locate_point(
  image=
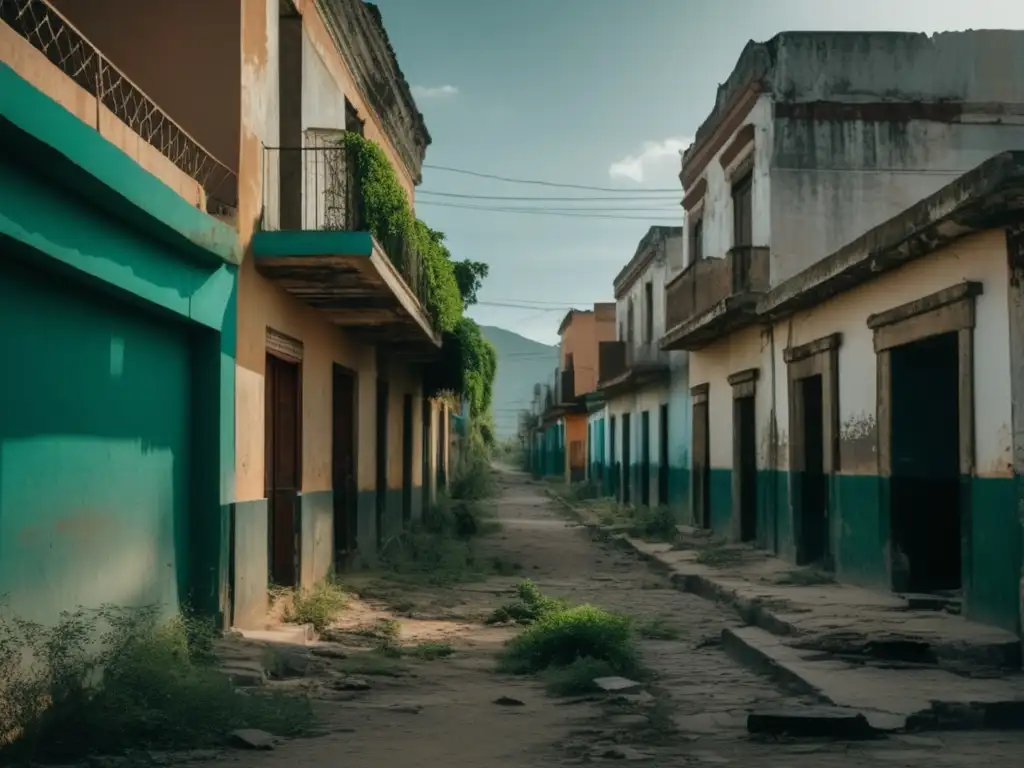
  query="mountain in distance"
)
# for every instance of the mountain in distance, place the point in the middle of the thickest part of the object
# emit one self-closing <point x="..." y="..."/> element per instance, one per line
<point x="522" y="362"/>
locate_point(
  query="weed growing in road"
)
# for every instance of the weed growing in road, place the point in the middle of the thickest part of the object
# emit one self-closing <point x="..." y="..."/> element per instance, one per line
<point x="430" y="651"/>
<point x="530" y="605"/>
<point x="319" y="606"/>
<point x="109" y="680"/>
<point x="581" y="636"/>
<point x="659" y="628"/>
<point x="577" y="678"/>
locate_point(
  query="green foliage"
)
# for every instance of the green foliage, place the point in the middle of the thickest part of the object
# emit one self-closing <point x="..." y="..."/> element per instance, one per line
<point x="529" y="606"/>
<point x="559" y="638"/>
<point x="577" y="678"/>
<point x="319" y="606"/>
<point x="116" y="679"/>
<point x="480" y="365"/>
<point x="470" y="277"/>
<point x="388" y="215"/>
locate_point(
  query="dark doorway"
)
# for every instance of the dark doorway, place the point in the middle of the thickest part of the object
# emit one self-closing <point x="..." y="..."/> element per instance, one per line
<point x="701" y="466"/>
<point x="343" y="467"/>
<point x="407" y="459"/>
<point x="813" y="499"/>
<point x="283" y="473"/>
<point x="663" y="455"/>
<point x="426" y="452"/>
<point x="382" y="458"/>
<point x="746" y="465"/>
<point x="627" y="460"/>
<point x="925" y="501"/>
<point x="645" y="458"/>
<point x="442" y="444"/>
<point x="614" y="473"/>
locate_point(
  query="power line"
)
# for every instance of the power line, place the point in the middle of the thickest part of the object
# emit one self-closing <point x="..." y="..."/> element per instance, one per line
<point x="538" y="182"/>
<point x="541" y="212"/>
<point x="586" y="198"/>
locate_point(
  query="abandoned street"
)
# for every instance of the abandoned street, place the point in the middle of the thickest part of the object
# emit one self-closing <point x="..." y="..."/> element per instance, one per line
<point x="459" y="712"/>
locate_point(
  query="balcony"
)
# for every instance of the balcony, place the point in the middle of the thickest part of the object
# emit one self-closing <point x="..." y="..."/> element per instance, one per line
<point x="315" y="244"/>
<point x="623" y="366"/>
<point x="43" y="47"/>
<point x="712" y="297"/>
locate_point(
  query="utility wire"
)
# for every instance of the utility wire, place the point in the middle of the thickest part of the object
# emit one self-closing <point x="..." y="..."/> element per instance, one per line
<point x="542" y="183"/>
<point x="585" y="198"/>
<point x="542" y="212"/>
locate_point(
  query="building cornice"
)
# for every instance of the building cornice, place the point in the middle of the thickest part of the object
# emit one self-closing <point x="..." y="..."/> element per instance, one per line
<point x="359" y="35"/>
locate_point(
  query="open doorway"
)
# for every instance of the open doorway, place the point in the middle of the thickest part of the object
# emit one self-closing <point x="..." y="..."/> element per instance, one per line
<point x="663" y="455"/>
<point x="407" y="459"/>
<point x="925" y="508"/>
<point x="746" y="465"/>
<point x="627" y="459"/>
<point x="343" y="466"/>
<point x="614" y="473"/>
<point x="283" y="473"/>
<point x="645" y="458"/>
<point x="701" y="462"/>
<point x="382" y="459"/>
<point x="812" y="489"/>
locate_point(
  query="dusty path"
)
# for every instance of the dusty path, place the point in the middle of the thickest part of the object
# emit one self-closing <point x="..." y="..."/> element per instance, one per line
<point x="443" y="713"/>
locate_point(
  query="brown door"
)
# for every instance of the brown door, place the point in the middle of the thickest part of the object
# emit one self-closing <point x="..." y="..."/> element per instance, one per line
<point x="407" y="459"/>
<point x="382" y="459"/>
<point x="426" y="453"/>
<point x="283" y="471"/>
<point x="343" y="467"/>
<point x="701" y="466"/>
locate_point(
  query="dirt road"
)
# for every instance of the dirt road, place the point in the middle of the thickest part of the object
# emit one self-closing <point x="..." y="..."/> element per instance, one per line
<point x="444" y="712"/>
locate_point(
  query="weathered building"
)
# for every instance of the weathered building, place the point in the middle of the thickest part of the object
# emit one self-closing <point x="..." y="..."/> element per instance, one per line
<point x="634" y="373"/>
<point x="256" y="380"/>
<point x="835" y="160"/>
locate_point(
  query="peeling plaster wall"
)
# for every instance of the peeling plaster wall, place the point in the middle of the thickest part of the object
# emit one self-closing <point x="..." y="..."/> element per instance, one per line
<point x="656" y="273"/>
<point x="716" y="210"/>
<point x="649" y="399"/>
<point x="859" y="522"/>
<point x="833" y="180"/>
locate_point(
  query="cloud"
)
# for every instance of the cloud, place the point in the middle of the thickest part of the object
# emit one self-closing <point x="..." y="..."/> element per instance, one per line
<point x="435" y="92"/>
<point x="655" y="154"/>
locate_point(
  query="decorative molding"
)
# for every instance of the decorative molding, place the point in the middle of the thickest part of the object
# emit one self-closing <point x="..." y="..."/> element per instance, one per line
<point x="695" y="194"/>
<point x="802" y="352"/>
<point x="361" y="39"/>
<point x="958" y="292"/>
<point x="283" y="346"/>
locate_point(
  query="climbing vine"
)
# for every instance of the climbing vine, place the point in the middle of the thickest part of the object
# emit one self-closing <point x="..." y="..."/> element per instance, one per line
<point x="387" y="215"/>
<point x="468" y="362"/>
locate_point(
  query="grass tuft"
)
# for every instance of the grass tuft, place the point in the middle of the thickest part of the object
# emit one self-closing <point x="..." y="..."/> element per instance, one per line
<point x="319" y="606"/>
<point x="530" y="605"/>
<point x="659" y="628"/>
<point x="577" y="678"/>
<point x="116" y="679"/>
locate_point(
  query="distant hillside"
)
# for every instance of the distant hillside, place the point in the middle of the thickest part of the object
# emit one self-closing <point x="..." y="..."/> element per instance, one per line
<point x="522" y="362"/>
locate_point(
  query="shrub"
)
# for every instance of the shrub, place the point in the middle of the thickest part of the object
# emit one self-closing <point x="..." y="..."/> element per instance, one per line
<point x="319" y="606"/>
<point x="473" y="479"/>
<point x="561" y="637"/>
<point x="110" y="680"/>
<point x="577" y="678"/>
<point x="530" y="605"/>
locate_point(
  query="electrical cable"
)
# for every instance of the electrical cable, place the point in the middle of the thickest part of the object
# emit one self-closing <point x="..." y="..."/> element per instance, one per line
<point x="539" y="182"/>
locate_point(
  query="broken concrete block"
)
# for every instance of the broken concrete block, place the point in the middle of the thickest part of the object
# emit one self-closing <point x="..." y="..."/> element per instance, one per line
<point x="814" y="722"/>
<point x="617" y="684"/>
<point x="252" y="738"/>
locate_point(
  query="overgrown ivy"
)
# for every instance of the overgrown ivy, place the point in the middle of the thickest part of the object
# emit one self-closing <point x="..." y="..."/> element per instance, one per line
<point x="387" y="215"/>
<point x="468" y="363"/>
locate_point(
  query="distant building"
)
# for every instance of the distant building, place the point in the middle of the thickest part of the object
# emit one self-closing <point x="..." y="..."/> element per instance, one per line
<point x="846" y="203"/>
<point x="634" y="374"/>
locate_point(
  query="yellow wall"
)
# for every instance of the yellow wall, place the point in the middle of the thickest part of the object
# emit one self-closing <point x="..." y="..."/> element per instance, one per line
<point x="34" y="67"/>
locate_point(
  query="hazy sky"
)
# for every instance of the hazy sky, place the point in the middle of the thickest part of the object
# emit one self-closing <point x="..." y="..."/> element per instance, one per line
<point x="591" y="92"/>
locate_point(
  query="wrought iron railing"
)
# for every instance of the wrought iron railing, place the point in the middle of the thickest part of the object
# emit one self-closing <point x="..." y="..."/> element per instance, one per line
<point x="69" y="50"/>
<point x="316" y="187"/>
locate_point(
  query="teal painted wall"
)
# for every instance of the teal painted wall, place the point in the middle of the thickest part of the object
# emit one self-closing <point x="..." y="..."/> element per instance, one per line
<point x="679" y="436"/>
<point x="94" y="450"/>
<point x="129" y="293"/>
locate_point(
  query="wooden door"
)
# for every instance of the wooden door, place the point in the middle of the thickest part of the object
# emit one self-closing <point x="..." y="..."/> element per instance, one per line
<point x="701" y="464"/>
<point x="343" y="466"/>
<point x="407" y="459"/>
<point x="283" y="472"/>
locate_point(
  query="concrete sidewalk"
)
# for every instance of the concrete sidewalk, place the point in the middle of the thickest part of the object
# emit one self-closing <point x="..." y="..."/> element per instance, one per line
<point x="851" y="647"/>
